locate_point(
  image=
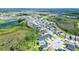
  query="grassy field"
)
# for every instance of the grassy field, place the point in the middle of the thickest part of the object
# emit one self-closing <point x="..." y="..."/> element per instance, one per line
<point x="2" y="22"/>
<point x="18" y="38"/>
<point x="6" y="21"/>
<point x="68" y="25"/>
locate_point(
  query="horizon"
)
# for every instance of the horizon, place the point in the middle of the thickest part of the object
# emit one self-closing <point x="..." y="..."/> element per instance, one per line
<point x="16" y="9"/>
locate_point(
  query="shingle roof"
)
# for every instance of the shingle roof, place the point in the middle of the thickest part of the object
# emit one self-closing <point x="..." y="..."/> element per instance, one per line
<point x="43" y="46"/>
<point x="42" y="42"/>
<point x="44" y="37"/>
<point x="77" y="38"/>
<point x="70" y="47"/>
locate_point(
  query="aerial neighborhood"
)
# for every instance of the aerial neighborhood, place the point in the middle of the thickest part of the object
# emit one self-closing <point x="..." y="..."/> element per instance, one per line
<point x="54" y="36"/>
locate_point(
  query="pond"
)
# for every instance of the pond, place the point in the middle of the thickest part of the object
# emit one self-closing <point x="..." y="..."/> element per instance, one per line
<point x="8" y="24"/>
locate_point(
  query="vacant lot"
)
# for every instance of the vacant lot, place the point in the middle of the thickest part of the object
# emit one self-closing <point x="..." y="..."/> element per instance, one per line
<point x="18" y="38"/>
<point x="68" y="25"/>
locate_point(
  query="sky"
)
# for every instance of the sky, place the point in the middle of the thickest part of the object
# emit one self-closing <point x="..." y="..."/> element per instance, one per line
<point x="39" y="3"/>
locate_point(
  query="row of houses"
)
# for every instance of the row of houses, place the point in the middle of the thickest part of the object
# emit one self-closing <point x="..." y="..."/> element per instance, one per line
<point x="40" y="26"/>
<point x="42" y="39"/>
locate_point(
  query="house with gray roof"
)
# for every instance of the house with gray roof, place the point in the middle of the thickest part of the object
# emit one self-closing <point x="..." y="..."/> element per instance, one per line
<point x="70" y="47"/>
<point x="77" y="38"/>
<point x="45" y="37"/>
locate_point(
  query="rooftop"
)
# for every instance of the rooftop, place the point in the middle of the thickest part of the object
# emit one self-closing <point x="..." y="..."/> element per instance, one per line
<point x="45" y="37"/>
<point x="71" y="47"/>
<point x="43" y="46"/>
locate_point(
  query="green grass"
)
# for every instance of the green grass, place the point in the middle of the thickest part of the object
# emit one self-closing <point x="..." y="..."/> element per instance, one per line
<point x="76" y="49"/>
<point x="78" y="25"/>
<point x="2" y="22"/>
<point x="6" y="21"/>
<point x="66" y="24"/>
<point x="18" y="38"/>
<point x="61" y="36"/>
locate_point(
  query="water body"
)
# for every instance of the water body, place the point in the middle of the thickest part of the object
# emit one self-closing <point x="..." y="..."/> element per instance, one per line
<point x="8" y="24"/>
